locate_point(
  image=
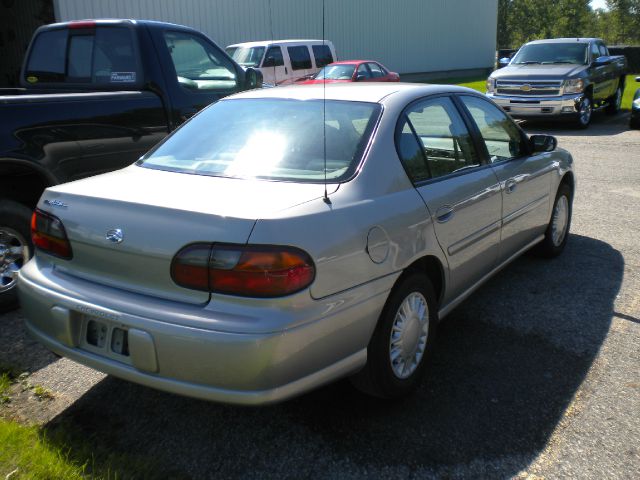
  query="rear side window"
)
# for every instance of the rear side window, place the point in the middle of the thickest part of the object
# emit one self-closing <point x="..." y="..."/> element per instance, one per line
<point x="103" y="56"/>
<point x="376" y="71"/>
<point x="323" y="56"/>
<point x="300" y="58"/>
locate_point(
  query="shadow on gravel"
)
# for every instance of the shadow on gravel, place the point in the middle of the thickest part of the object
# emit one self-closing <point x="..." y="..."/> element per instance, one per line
<point x="18" y="351"/>
<point x="601" y="125"/>
<point x="507" y="364"/>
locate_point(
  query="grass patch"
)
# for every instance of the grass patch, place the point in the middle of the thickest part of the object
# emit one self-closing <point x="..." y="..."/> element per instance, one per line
<point x="63" y="451"/>
<point x="478" y="83"/>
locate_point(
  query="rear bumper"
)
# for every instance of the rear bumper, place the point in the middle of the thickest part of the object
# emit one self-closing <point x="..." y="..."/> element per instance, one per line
<point x="196" y="361"/>
<point x="538" y="107"/>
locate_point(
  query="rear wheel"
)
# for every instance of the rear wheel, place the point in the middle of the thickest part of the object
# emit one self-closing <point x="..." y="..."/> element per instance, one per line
<point x="615" y="101"/>
<point x="15" y="249"/>
<point x="557" y="233"/>
<point x="401" y="344"/>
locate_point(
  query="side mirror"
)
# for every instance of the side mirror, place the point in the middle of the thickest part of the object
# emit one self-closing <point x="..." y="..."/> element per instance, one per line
<point x="360" y="78"/>
<point x="252" y="78"/>
<point x="503" y="62"/>
<point x="543" y="143"/>
<point x="600" y="61"/>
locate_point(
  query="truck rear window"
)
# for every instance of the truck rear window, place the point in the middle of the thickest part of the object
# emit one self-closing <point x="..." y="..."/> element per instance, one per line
<point x="103" y="56"/>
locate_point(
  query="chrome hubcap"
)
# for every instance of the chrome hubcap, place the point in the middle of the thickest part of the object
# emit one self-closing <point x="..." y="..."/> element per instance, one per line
<point x="14" y="251"/>
<point x="560" y="220"/>
<point x="409" y="335"/>
<point x="585" y="111"/>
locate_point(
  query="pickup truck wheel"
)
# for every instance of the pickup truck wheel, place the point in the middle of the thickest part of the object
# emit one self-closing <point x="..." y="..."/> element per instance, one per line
<point x="634" y="123"/>
<point x="615" y="101"/>
<point x="585" y="110"/>
<point x="557" y="233"/>
<point x="15" y="249"/>
<point x="402" y="342"/>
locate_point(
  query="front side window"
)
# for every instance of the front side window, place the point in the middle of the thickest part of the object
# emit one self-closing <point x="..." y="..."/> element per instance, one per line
<point x="274" y="139"/>
<point x="248" y="56"/>
<point x="595" y="51"/>
<point x="363" y="72"/>
<point x="444" y="138"/>
<point x="300" y="58"/>
<point x="199" y="65"/>
<point x="105" y="56"/>
<point x="501" y="136"/>
<point x="273" y="58"/>
<point x="603" y="50"/>
<point x="322" y="54"/>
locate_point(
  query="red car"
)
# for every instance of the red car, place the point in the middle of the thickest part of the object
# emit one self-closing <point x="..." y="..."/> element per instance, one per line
<point x="353" y="71"/>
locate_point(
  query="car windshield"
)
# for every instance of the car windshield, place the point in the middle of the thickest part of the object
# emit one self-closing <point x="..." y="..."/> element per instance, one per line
<point x="247" y="56"/>
<point x="275" y="139"/>
<point x="549" y="53"/>
<point x="336" y="72"/>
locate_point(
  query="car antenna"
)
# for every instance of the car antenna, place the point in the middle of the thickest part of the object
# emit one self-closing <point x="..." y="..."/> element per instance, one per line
<point x="275" y="78"/>
<point x="324" y="122"/>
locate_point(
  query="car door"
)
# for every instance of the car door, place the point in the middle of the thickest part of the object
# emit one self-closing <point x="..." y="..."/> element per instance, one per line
<point x="461" y="192"/>
<point x="599" y="75"/>
<point x="377" y="75"/>
<point x="362" y="73"/>
<point x="203" y="72"/>
<point x="273" y="68"/>
<point x="525" y="180"/>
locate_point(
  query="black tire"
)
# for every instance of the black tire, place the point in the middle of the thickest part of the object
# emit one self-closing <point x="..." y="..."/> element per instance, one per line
<point x="14" y="223"/>
<point x="615" y="101"/>
<point x="549" y="247"/>
<point x="634" y="123"/>
<point x="584" y="119"/>
<point x="377" y="378"/>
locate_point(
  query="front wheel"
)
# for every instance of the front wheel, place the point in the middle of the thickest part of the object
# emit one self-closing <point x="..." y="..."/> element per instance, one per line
<point x="585" y="110"/>
<point x="402" y="341"/>
<point x="15" y="249"/>
<point x="557" y="233"/>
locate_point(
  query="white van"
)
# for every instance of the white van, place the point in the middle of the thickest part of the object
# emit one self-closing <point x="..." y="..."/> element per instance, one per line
<point x="284" y="61"/>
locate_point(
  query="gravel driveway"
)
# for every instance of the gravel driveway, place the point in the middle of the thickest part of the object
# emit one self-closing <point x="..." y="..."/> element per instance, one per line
<point x="536" y="375"/>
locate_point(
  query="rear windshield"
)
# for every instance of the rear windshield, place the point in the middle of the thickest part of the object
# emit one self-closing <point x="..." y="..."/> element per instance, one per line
<point x="275" y="139"/>
<point x="102" y="56"/>
<point x="550" y="53"/>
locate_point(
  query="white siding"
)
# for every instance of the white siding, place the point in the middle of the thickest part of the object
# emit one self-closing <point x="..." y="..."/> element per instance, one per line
<point x="408" y="36"/>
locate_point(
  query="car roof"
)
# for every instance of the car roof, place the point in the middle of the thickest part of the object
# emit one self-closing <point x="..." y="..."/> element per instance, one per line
<point x="352" y="62"/>
<point x="566" y="40"/>
<point x="358" y="92"/>
<point x="264" y="43"/>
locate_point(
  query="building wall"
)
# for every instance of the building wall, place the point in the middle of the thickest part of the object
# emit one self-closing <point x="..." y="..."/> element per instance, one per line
<point x="408" y="36"/>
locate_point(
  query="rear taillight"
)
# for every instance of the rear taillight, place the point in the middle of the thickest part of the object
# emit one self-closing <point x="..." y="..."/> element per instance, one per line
<point x="244" y="270"/>
<point x="48" y="234"/>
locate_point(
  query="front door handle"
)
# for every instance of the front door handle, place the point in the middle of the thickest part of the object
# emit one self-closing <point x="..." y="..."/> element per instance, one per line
<point x="444" y="213"/>
<point x="510" y="185"/>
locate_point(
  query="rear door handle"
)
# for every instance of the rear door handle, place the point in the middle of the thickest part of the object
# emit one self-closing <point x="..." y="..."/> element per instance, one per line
<point x="444" y="213"/>
<point x="510" y="185"/>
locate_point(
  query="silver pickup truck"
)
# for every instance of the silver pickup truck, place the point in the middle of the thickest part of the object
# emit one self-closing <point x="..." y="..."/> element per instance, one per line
<point x="560" y="78"/>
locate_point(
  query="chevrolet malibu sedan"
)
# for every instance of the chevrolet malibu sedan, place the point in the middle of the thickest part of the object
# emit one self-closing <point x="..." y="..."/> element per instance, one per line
<point x="353" y="71"/>
<point x="285" y="238"/>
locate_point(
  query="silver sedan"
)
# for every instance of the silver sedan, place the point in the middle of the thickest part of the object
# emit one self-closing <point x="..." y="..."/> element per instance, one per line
<point x="285" y="238"/>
